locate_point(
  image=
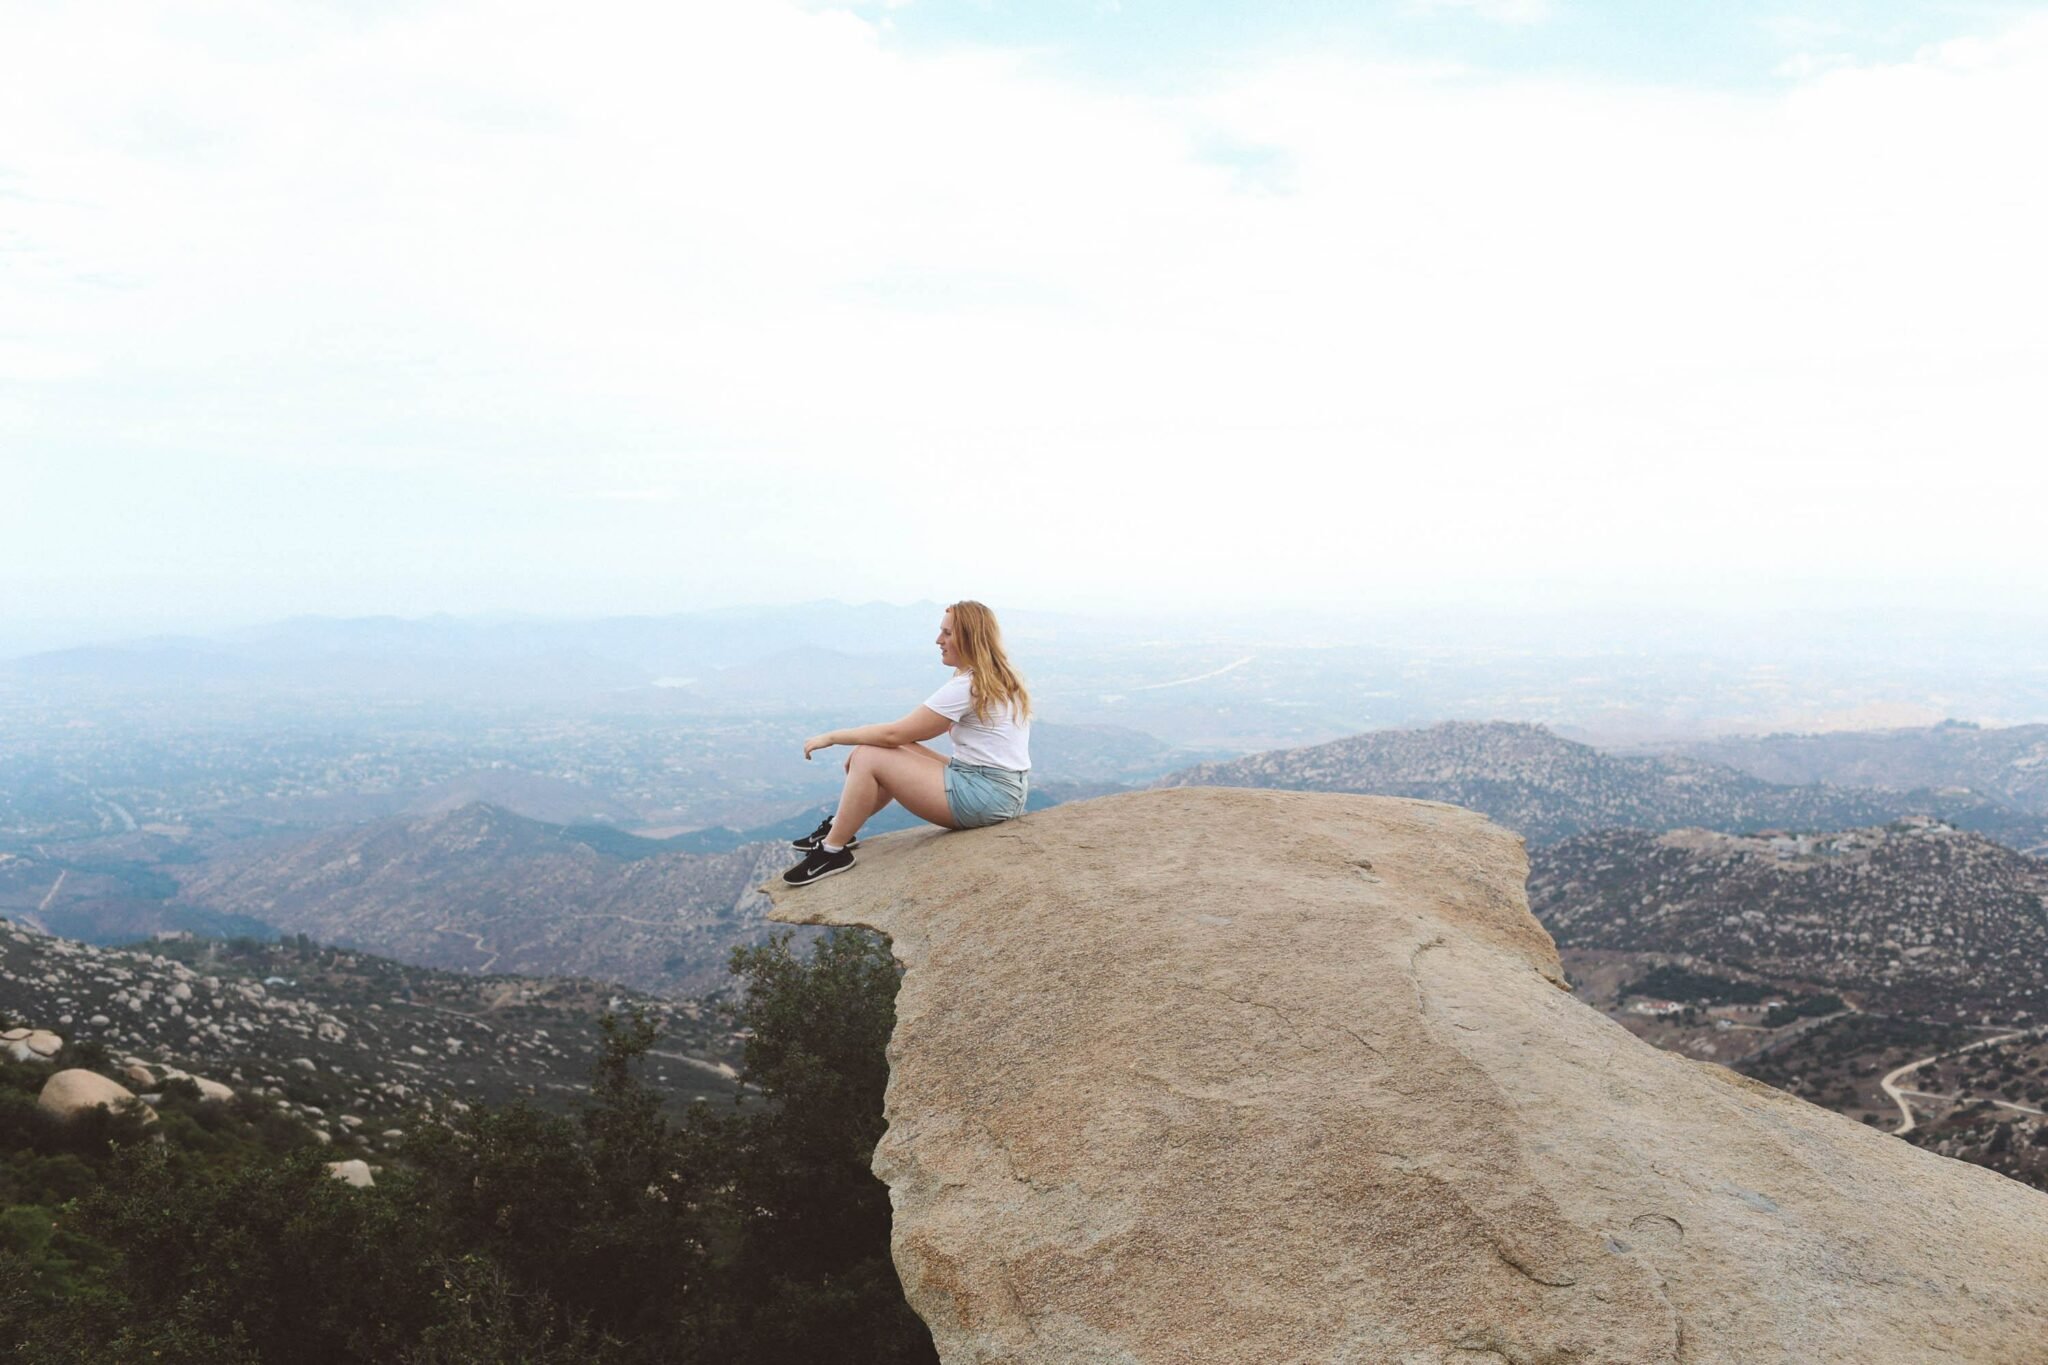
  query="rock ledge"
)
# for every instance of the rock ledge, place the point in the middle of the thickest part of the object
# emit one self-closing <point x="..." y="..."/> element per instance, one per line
<point x="1211" y="1075"/>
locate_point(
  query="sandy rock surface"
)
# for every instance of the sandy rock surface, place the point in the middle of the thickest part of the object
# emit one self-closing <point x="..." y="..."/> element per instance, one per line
<point x="1212" y="1075"/>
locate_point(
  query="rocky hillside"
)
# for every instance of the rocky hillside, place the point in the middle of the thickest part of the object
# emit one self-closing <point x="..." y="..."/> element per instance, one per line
<point x="2009" y="763"/>
<point x="350" y="1042"/>
<point x="1549" y="788"/>
<point x="1323" y="1099"/>
<point x="481" y="889"/>
<point x="1913" y="917"/>
<point x="104" y="894"/>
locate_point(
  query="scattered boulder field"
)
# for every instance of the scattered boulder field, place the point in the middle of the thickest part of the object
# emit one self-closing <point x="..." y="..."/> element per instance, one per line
<point x="349" y="1044"/>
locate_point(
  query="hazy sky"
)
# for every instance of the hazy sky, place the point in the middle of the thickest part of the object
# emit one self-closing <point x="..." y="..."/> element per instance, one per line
<point x="364" y="307"/>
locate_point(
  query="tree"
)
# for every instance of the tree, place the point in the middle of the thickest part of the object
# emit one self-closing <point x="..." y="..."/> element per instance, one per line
<point x="504" y="1236"/>
<point x="603" y="1217"/>
<point x="271" y="1259"/>
<point x="811" y="1274"/>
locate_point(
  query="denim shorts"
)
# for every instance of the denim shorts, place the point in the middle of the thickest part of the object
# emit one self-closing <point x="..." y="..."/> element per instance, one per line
<point x="979" y="795"/>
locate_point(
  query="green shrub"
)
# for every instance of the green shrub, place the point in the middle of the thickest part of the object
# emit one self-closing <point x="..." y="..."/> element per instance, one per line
<point x="750" y="1236"/>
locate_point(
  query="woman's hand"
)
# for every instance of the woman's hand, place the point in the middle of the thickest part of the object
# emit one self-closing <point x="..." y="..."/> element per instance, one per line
<point x="815" y="743"/>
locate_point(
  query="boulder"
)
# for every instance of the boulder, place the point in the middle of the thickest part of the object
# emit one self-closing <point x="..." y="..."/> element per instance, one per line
<point x="31" y="1044"/>
<point x="68" y="1094"/>
<point x="355" y="1172"/>
<point x="139" y="1075"/>
<point x="1205" y="1075"/>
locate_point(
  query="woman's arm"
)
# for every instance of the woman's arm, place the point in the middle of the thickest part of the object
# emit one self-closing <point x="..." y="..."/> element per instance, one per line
<point x="923" y="723"/>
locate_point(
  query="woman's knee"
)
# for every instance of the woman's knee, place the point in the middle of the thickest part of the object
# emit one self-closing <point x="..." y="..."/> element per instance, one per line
<point x="863" y="758"/>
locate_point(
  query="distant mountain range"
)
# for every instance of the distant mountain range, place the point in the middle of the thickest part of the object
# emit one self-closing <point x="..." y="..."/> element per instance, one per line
<point x="1916" y="917"/>
<point x="1549" y="788"/>
<point x="482" y="889"/>
<point x="387" y="653"/>
<point x="535" y="795"/>
<point x="475" y="888"/>
<point x="2009" y="764"/>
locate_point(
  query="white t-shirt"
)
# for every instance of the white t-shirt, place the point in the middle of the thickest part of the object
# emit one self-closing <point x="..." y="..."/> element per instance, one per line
<point x="999" y="742"/>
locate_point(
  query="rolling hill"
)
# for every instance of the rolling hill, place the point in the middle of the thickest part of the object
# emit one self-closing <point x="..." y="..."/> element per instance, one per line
<point x="481" y="889"/>
<point x="1914" y="917"/>
<point x="2009" y="764"/>
<point x="1549" y="788"/>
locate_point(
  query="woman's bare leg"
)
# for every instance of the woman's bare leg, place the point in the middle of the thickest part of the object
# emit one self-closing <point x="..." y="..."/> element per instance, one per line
<point x="859" y="817"/>
<point x="882" y="798"/>
<point x="876" y="776"/>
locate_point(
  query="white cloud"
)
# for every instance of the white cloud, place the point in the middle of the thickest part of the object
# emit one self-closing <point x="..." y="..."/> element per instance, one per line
<point x="1801" y="30"/>
<point x="885" y="319"/>
<point x="22" y="363"/>
<point x="1801" y="66"/>
<point x="1500" y="11"/>
<point x="634" y="495"/>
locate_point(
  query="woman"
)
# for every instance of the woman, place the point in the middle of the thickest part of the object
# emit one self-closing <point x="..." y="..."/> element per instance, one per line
<point x="984" y="706"/>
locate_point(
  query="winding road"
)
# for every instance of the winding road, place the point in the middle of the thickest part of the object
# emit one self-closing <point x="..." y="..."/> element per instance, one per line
<point x="473" y="937"/>
<point x="1891" y="1087"/>
<point x="1199" y="677"/>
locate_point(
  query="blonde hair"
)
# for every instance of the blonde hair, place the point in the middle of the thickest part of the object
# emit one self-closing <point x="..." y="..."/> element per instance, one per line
<point x="978" y="640"/>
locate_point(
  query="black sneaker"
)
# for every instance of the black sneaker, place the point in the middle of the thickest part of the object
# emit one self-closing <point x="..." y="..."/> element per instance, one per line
<point x="818" y="863"/>
<point x="817" y="837"/>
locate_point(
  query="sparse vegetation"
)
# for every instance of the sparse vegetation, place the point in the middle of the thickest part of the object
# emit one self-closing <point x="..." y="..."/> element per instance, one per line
<point x="1805" y="1007"/>
<point x="751" y="1233"/>
<point x="1671" y="982"/>
<point x="1912" y="918"/>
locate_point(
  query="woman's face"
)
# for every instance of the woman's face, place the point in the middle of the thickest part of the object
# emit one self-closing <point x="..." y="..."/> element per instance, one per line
<point x="947" y="655"/>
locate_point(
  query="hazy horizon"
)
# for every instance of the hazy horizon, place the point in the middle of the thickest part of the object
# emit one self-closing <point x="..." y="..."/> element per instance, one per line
<point x="1472" y="622"/>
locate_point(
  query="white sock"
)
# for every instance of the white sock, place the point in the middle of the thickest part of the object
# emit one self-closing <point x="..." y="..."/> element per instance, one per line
<point x="833" y="848"/>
